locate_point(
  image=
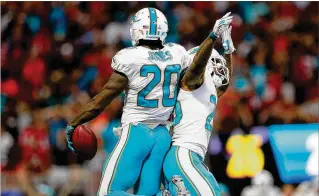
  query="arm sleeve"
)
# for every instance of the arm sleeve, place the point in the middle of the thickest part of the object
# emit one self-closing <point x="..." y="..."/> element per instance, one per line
<point x="119" y="65"/>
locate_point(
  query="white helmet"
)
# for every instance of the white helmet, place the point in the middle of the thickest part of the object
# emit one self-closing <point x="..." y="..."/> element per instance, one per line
<point x="148" y="24"/>
<point x="216" y="65"/>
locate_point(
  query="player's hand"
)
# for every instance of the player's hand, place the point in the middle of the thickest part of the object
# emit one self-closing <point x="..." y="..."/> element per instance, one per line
<point x="227" y="41"/>
<point x="69" y="133"/>
<point x="221" y="25"/>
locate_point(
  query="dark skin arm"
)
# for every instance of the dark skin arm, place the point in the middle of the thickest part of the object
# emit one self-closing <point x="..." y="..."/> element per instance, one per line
<point x="194" y="76"/>
<point x="116" y="84"/>
<point x="221" y="90"/>
<point x="114" y="108"/>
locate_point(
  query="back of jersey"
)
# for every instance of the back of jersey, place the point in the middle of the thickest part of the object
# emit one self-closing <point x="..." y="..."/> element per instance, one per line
<point x="153" y="78"/>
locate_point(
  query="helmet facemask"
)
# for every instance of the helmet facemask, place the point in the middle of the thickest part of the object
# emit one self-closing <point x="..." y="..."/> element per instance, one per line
<point x="217" y="68"/>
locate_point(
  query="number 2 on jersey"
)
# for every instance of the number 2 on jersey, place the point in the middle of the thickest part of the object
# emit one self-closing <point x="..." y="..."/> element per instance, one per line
<point x="155" y="70"/>
<point x="208" y="125"/>
<point x="178" y="114"/>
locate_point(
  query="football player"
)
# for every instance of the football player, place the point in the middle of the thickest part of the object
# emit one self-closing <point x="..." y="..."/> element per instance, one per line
<point x="193" y="118"/>
<point x="149" y="73"/>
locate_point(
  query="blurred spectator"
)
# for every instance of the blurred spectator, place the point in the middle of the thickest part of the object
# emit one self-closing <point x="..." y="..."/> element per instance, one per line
<point x="288" y="190"/>
<point x="309" y="188"/>
<point x="34" y="142"/>
<point x="34" y="69"/>
<point x="10" y="87"/>
<point x="24" y="117"/>
<point x="58" y="20"/>
<point x="263" y="185"/>
<point x="7" y="143"/>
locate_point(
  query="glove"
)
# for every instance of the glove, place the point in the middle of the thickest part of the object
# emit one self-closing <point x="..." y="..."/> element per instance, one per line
<point x="221" y="25"/>
<point x="227" y="41"/>
<point x="69" y="134"/>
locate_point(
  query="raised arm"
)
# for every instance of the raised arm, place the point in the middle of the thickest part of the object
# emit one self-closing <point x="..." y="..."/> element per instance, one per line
<point x="194" y="75"/>
<point x="229" y="49"/>
<point x="116" y="84"/>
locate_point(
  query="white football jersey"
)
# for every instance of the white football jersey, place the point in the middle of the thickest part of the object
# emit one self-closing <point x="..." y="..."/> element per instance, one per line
<point x="153" y="77"/>
<point x="193" y="117"/>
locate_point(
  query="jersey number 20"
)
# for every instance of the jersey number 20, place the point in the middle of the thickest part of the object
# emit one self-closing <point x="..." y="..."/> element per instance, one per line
<point x="155" y="70"/>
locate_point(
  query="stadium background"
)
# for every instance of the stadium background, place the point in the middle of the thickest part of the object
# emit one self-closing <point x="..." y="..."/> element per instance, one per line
<point x="56" y="55"/>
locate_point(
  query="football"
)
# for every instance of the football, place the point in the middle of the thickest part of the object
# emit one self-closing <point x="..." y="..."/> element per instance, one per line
<point x="85" y="143"/>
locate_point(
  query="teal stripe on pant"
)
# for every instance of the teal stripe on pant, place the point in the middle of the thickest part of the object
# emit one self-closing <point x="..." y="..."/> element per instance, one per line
<point x="198" y="164"/>
<point x="189" y="165"/>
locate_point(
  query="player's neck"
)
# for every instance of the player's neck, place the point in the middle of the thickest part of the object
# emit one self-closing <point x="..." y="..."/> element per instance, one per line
<point x="152" y="47"/>
<point x="151" y="44"/>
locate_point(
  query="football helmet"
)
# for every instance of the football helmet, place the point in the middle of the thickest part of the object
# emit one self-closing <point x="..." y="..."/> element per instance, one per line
<point x="148" y="24"/>
<point x="216" y="66"/>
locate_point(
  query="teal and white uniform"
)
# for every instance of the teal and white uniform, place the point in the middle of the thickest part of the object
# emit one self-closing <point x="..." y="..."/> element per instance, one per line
<point x="151" y="95"/>
<point x="153" y="76"/>
<point x="193" y="118"/>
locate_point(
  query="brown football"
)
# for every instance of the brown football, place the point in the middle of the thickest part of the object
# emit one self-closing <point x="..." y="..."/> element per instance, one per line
<point x="85" y="143"/>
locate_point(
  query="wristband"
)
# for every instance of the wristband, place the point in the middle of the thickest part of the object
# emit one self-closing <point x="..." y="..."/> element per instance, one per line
<point x="213" y="36"/>
<point x="69" y="127"/>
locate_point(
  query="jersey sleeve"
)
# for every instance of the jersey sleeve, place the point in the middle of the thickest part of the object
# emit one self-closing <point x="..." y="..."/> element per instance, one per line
<point x="186" y="59"/>
<point x="193" y="51"/>
<point x="120" y="65"/>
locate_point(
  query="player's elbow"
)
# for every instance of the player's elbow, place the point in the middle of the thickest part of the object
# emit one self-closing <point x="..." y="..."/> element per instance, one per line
<point x="192" y="82"/>
<point x="198" y="68"/>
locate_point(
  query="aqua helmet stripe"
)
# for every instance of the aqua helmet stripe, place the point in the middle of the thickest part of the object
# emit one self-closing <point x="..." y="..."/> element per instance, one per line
<point x="153" y="21"/>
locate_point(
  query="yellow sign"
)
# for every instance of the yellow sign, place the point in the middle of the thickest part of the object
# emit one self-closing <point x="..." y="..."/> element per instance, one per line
<point x="247" y="158"/>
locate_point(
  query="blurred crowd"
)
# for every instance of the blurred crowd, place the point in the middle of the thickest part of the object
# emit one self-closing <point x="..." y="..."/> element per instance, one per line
<point x="56" y="55"/>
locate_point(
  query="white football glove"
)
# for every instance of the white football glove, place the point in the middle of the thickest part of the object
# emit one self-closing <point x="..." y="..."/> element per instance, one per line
<point x="221" y="25"/>
<point x="227" y="41"/>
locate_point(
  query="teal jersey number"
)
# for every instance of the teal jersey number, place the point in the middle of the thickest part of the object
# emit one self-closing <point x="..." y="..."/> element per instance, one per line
<point x="208" y="125"/>
<point x="169" y="71"/>
<point x="178" y="114"/>
<point x="145" y="71"/>
<point x="166" y="100"/>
